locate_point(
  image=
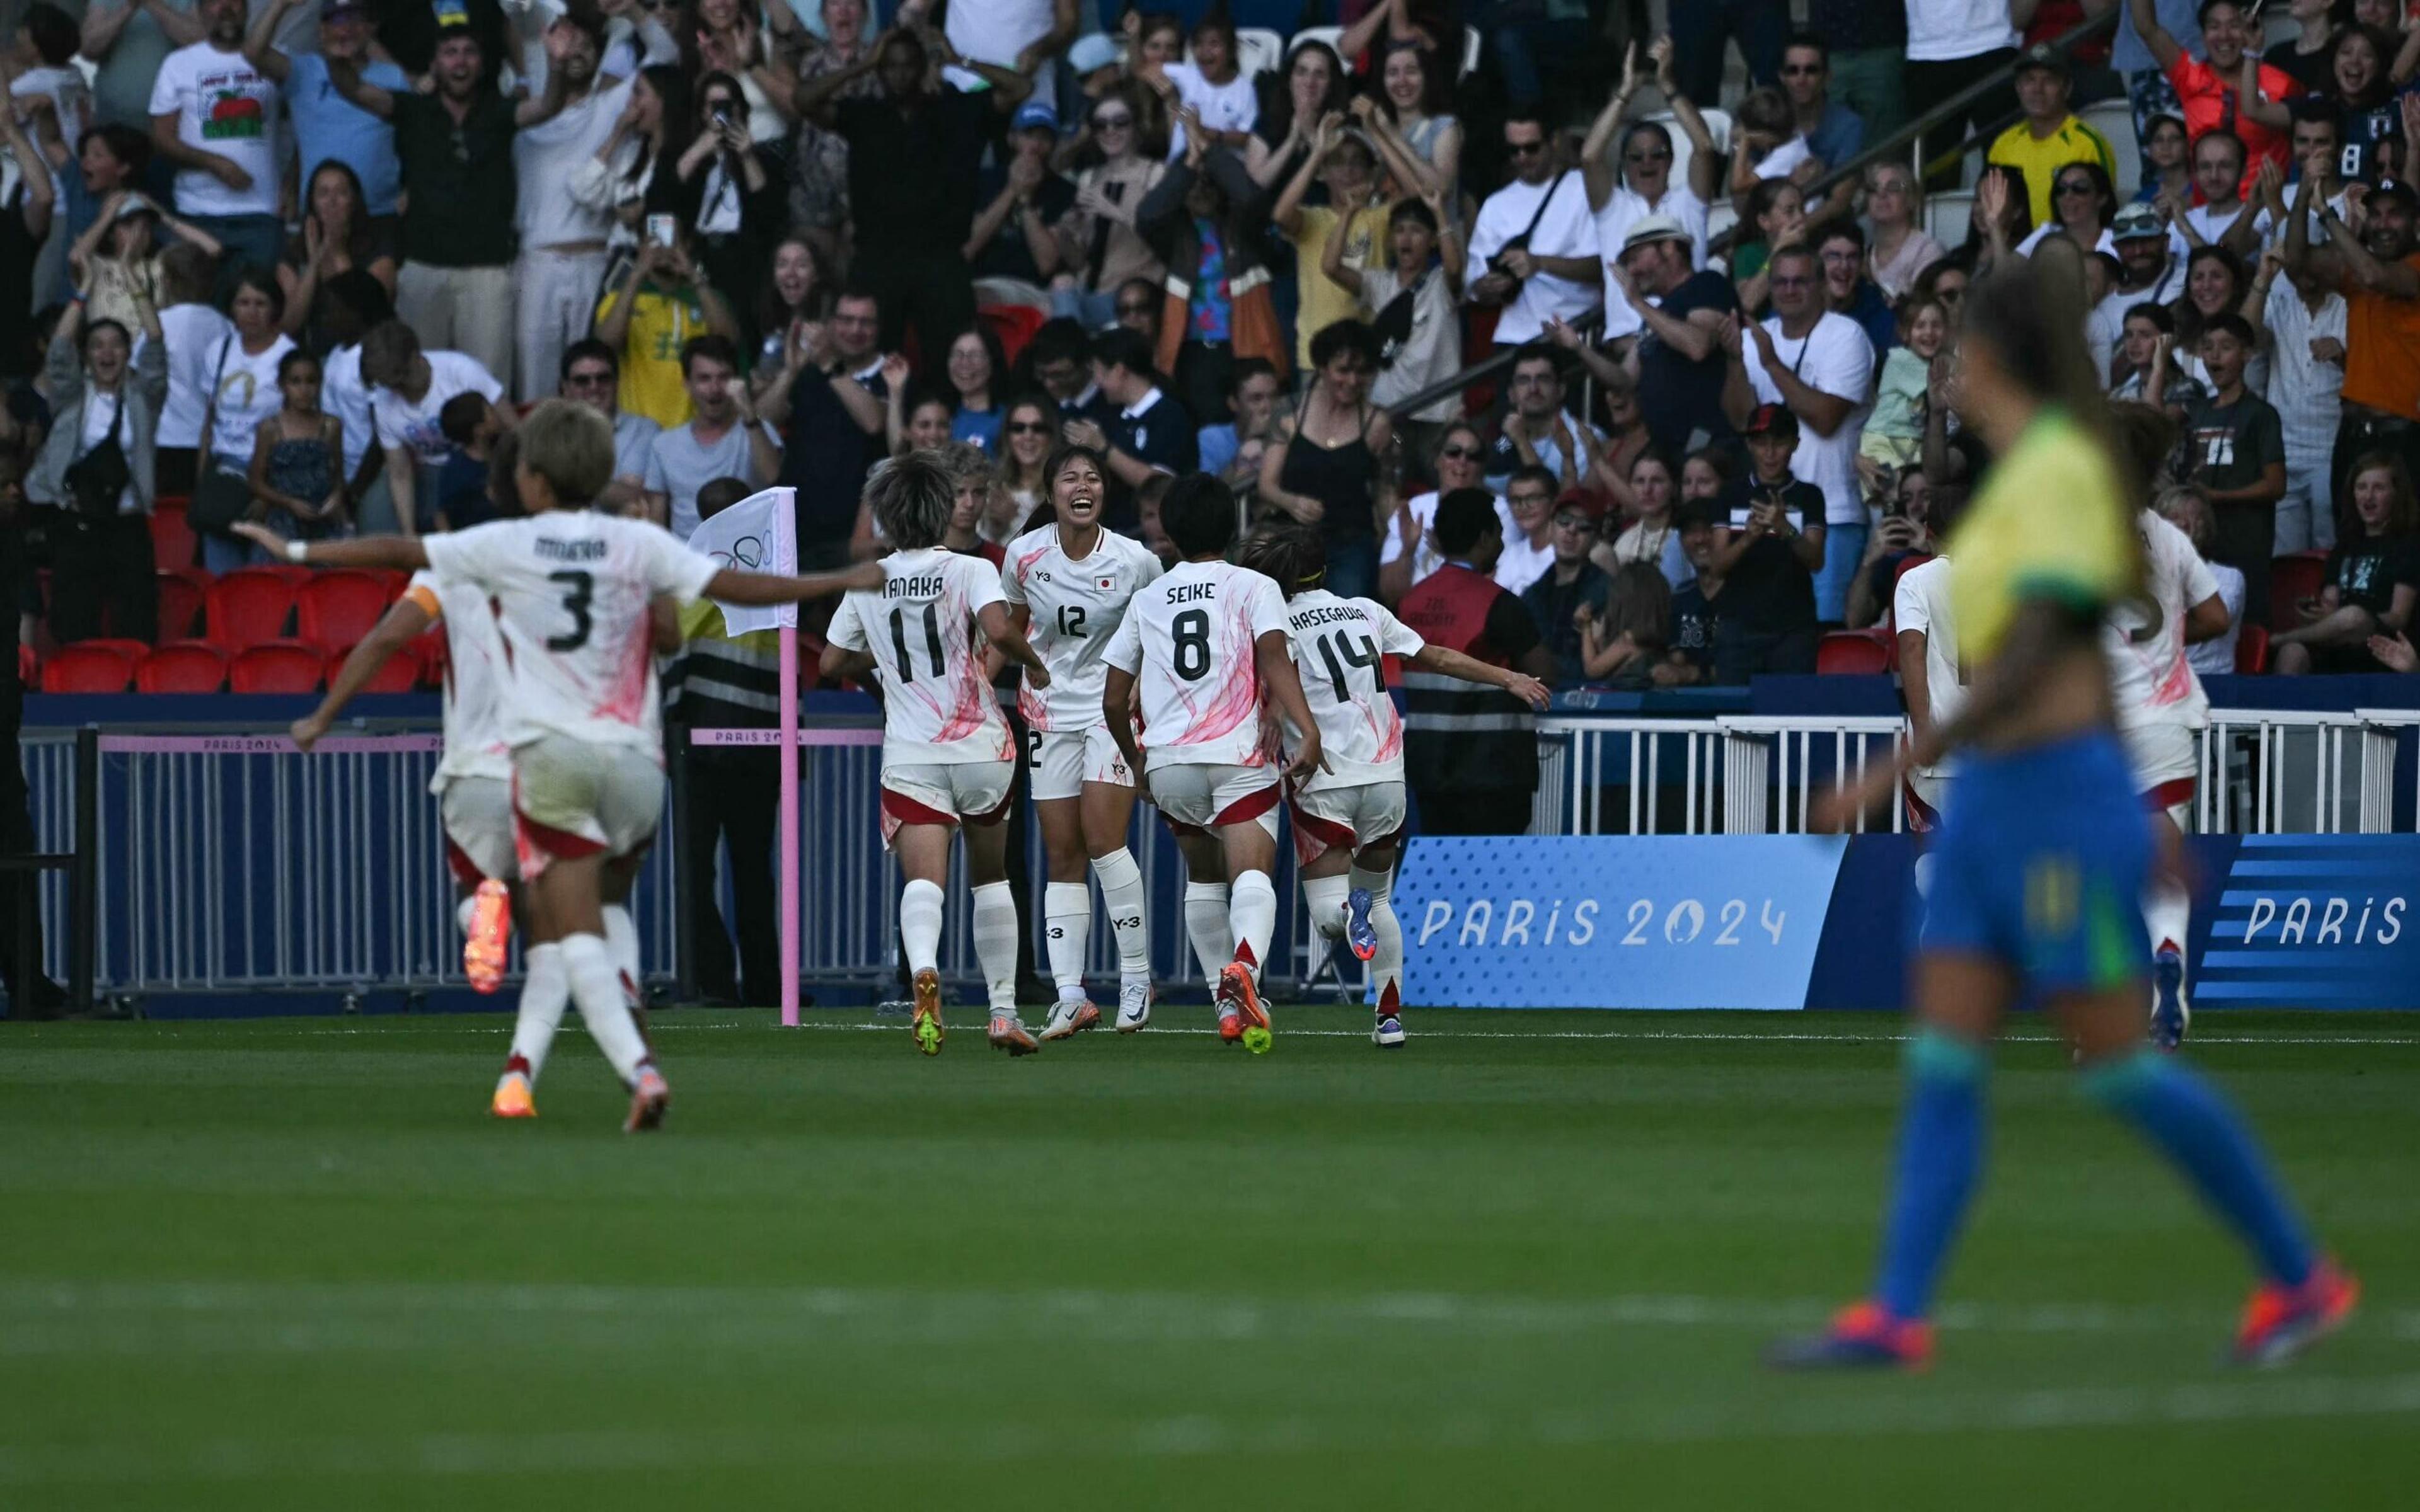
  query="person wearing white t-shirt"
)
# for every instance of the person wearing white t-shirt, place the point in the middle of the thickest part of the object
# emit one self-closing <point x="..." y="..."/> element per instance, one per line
<point x="1068" y="586"/>
<point x="1214" y="87"/>
<point x="1537" y="239"/>
<point x="1349" y="814"/>
<point x="949" y="760"/>
<point x="1820" y="365"/>
<point x="1022" y="35"/>
<point x="1627" y="184"/>
<point x="1929" y="674"/>
<point x="575" y="594"/>
<point x="242" y="392"/>
<point x="563" y="238"/>
<point x="1953" y="45"/>
<point x="408" y="389"/>
<point x="215" y="117"/>
<point x="1408" y="553"/>
<point x="1202" y="644"/>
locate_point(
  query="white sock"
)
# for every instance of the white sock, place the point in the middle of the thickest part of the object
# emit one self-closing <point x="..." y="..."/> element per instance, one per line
<point x="1387" y="967"/>
<point x="1066" y="928"/>
<point x="1205" y="925"/>
<point x="1253" y="907"/>
<point x="622" y="944"/>
<point x="545" y="990"/>
<point x="596" y="987"/>
<point x="995" y="930"/>
<point x="1324" y="899"/>
<point x="463" y="912"/>
<point x="1122" y="893"/>
<point x="2167" y="913"/>
<point x="920" y="925"/>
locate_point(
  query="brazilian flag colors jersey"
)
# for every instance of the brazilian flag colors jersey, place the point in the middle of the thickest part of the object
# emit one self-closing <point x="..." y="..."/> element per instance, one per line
<point x="2050" y="519"/>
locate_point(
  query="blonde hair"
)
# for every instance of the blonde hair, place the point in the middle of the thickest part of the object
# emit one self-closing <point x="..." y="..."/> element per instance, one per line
<point x="570" y="446"/>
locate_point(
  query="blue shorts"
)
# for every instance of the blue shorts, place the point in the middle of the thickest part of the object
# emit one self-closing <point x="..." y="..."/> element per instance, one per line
<point x="2041" y="862"/>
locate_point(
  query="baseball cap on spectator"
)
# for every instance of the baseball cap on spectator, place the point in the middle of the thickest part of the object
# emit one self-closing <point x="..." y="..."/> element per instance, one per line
<point x="1090" y="55"/>
<point x="330" y="9"/>
<point x="2396" y="189"/>
<point x="2136" y="222"/>
<point x="1771" y="420"/>
<point x="1034" y="116"/>
<point x="2043" y="56"/>
<point x="1649" y="230"/>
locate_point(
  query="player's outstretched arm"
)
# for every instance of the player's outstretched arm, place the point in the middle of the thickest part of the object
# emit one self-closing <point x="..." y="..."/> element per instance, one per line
<point x="1117" y="708"/>
<point x="399" y="553"/>
<point x="1436" y="659"/>
<point x="1008" y="639"/>
<point x="733" y="586"/>
<point x="398" y="628"/>
<point x="1274" y="657"/>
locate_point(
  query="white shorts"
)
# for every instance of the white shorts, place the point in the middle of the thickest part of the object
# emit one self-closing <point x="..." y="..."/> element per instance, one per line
<point x="572" y="799"/>
<point x="976" y="792"/>
<point x="1060" y="762"/>
<point x="477" y="812"/>
<point x="1351" y="818"/>
<point x="1198" y="796"/>
<point x="2167" y="758"/>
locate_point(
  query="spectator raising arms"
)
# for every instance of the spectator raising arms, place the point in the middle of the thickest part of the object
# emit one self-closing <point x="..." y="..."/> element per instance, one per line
<point x="1407" y="121"/>
<point x="95" y="469"/>
<point x="664" y="302"/>
<point x="1346" y="168"/>
<point x="1411" y="299"/>
<point x="1282" y="136"/>
<point x="1622" y="193"/>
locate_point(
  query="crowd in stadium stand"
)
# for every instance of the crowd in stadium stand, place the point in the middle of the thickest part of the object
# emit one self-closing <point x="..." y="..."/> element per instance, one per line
<point x="304" y="262"/>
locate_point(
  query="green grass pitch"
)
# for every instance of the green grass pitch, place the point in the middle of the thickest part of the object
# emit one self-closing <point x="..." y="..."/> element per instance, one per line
<point x="1526" y="1261"/>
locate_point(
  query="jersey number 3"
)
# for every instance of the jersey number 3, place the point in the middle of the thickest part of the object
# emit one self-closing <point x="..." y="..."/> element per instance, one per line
<point x="578" y="593"/>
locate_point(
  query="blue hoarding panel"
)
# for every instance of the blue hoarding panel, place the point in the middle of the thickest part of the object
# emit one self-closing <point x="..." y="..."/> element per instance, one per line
<point x="1614" y="922"/>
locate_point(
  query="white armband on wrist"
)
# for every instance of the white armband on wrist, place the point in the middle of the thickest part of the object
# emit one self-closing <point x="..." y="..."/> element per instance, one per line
<point x="298" y="551"/>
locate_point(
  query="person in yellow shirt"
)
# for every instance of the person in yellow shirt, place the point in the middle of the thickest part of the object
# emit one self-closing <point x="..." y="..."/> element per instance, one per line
<point x="1341" y="159"/>
<point x="660" y="304"/>
<point x="2043" y="849"/>
<point x="2050" y="137"/>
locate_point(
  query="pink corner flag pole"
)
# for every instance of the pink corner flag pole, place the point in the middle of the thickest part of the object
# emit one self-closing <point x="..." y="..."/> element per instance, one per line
<point x="786" y="817"/>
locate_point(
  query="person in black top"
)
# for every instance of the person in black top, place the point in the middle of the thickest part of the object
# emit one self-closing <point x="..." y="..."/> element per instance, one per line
<point x="455" y="147"/>
<point x="1768" y="558"/>
<point x="2236" y="443"/>
<point x="1679" y="357"/>
<point x="1326" y="475"/>
<point x="914" y="153"/>
<point x="1060" y="357"/>
<point x="1689" y="655"/>
<point x="1572" y="581"/>
<point x="24" y="221"/>
<point x="2373" y="578"/>
<point x="1149" y="432"/>
<point x="821" y="410"/>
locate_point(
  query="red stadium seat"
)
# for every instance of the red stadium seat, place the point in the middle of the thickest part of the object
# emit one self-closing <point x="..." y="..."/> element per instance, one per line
<point x="247" y="607"/>
<point x="1852" y="651"/>
<point x="181" y="667"/>
<point x="400" y="672"/>
<point x="2252" y="650"/>
<point x="183" y="593"/>
<point x="277" y="667"/>
<point x="2292" y="579"/>
<point x="173" y="542"/>
<point x="339" y="608"/>
<point x="87" y="667"/>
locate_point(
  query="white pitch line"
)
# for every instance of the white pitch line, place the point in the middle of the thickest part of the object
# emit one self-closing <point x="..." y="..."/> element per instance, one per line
<point x="1886" y="1412"/>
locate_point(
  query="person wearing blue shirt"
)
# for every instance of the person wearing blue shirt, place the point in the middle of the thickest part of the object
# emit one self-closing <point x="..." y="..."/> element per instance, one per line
<point x="326" y="123"/>
<point x="1834" y="132"/>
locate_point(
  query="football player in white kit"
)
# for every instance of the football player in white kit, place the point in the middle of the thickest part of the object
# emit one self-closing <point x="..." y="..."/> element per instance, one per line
<point x="1348" y="817"/>
<point x="1205" y="642"/>
<point x="947" y="759"/>
<point x="1067" y="584"/>
<point x="2161" y="711"/>
<point x="572" y="592"/>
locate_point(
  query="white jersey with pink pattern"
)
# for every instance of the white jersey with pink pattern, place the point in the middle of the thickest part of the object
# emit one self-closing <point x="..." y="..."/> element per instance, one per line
<point x="938" y="706"/>
<point x="571" y="589"/>
<point x="1339" y="648"/>
<point x="475" y="679"/>
<point x="1189" y="639"/>
<point x="2150" y="678"/>
<point x="1076" y="606"/>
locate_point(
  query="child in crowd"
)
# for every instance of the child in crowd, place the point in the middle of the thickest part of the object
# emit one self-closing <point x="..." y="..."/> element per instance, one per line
<point x="472" y="425"/>
<point x="1894" y="435"/>
<point x="297" y="455"/>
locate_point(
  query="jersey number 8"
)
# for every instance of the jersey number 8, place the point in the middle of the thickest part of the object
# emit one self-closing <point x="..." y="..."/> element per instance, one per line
<point x="1190" y="633"/>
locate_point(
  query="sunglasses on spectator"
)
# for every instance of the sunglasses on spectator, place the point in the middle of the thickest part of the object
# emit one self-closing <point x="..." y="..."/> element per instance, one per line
<point x="1134" y="309"/>
<point x="1801" y="71"/>
<point x="2076" y="186"/>
<point x="1111" y="123"/>
<point x="1457" y="454"/>
<point x="1028" y="427"/>
<point x="1647" y="157"/>
<point x="1523" y="149"/>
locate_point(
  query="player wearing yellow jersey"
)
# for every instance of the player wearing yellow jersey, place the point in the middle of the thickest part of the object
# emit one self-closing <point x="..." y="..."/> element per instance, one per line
<point x="2043" y="848"/>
